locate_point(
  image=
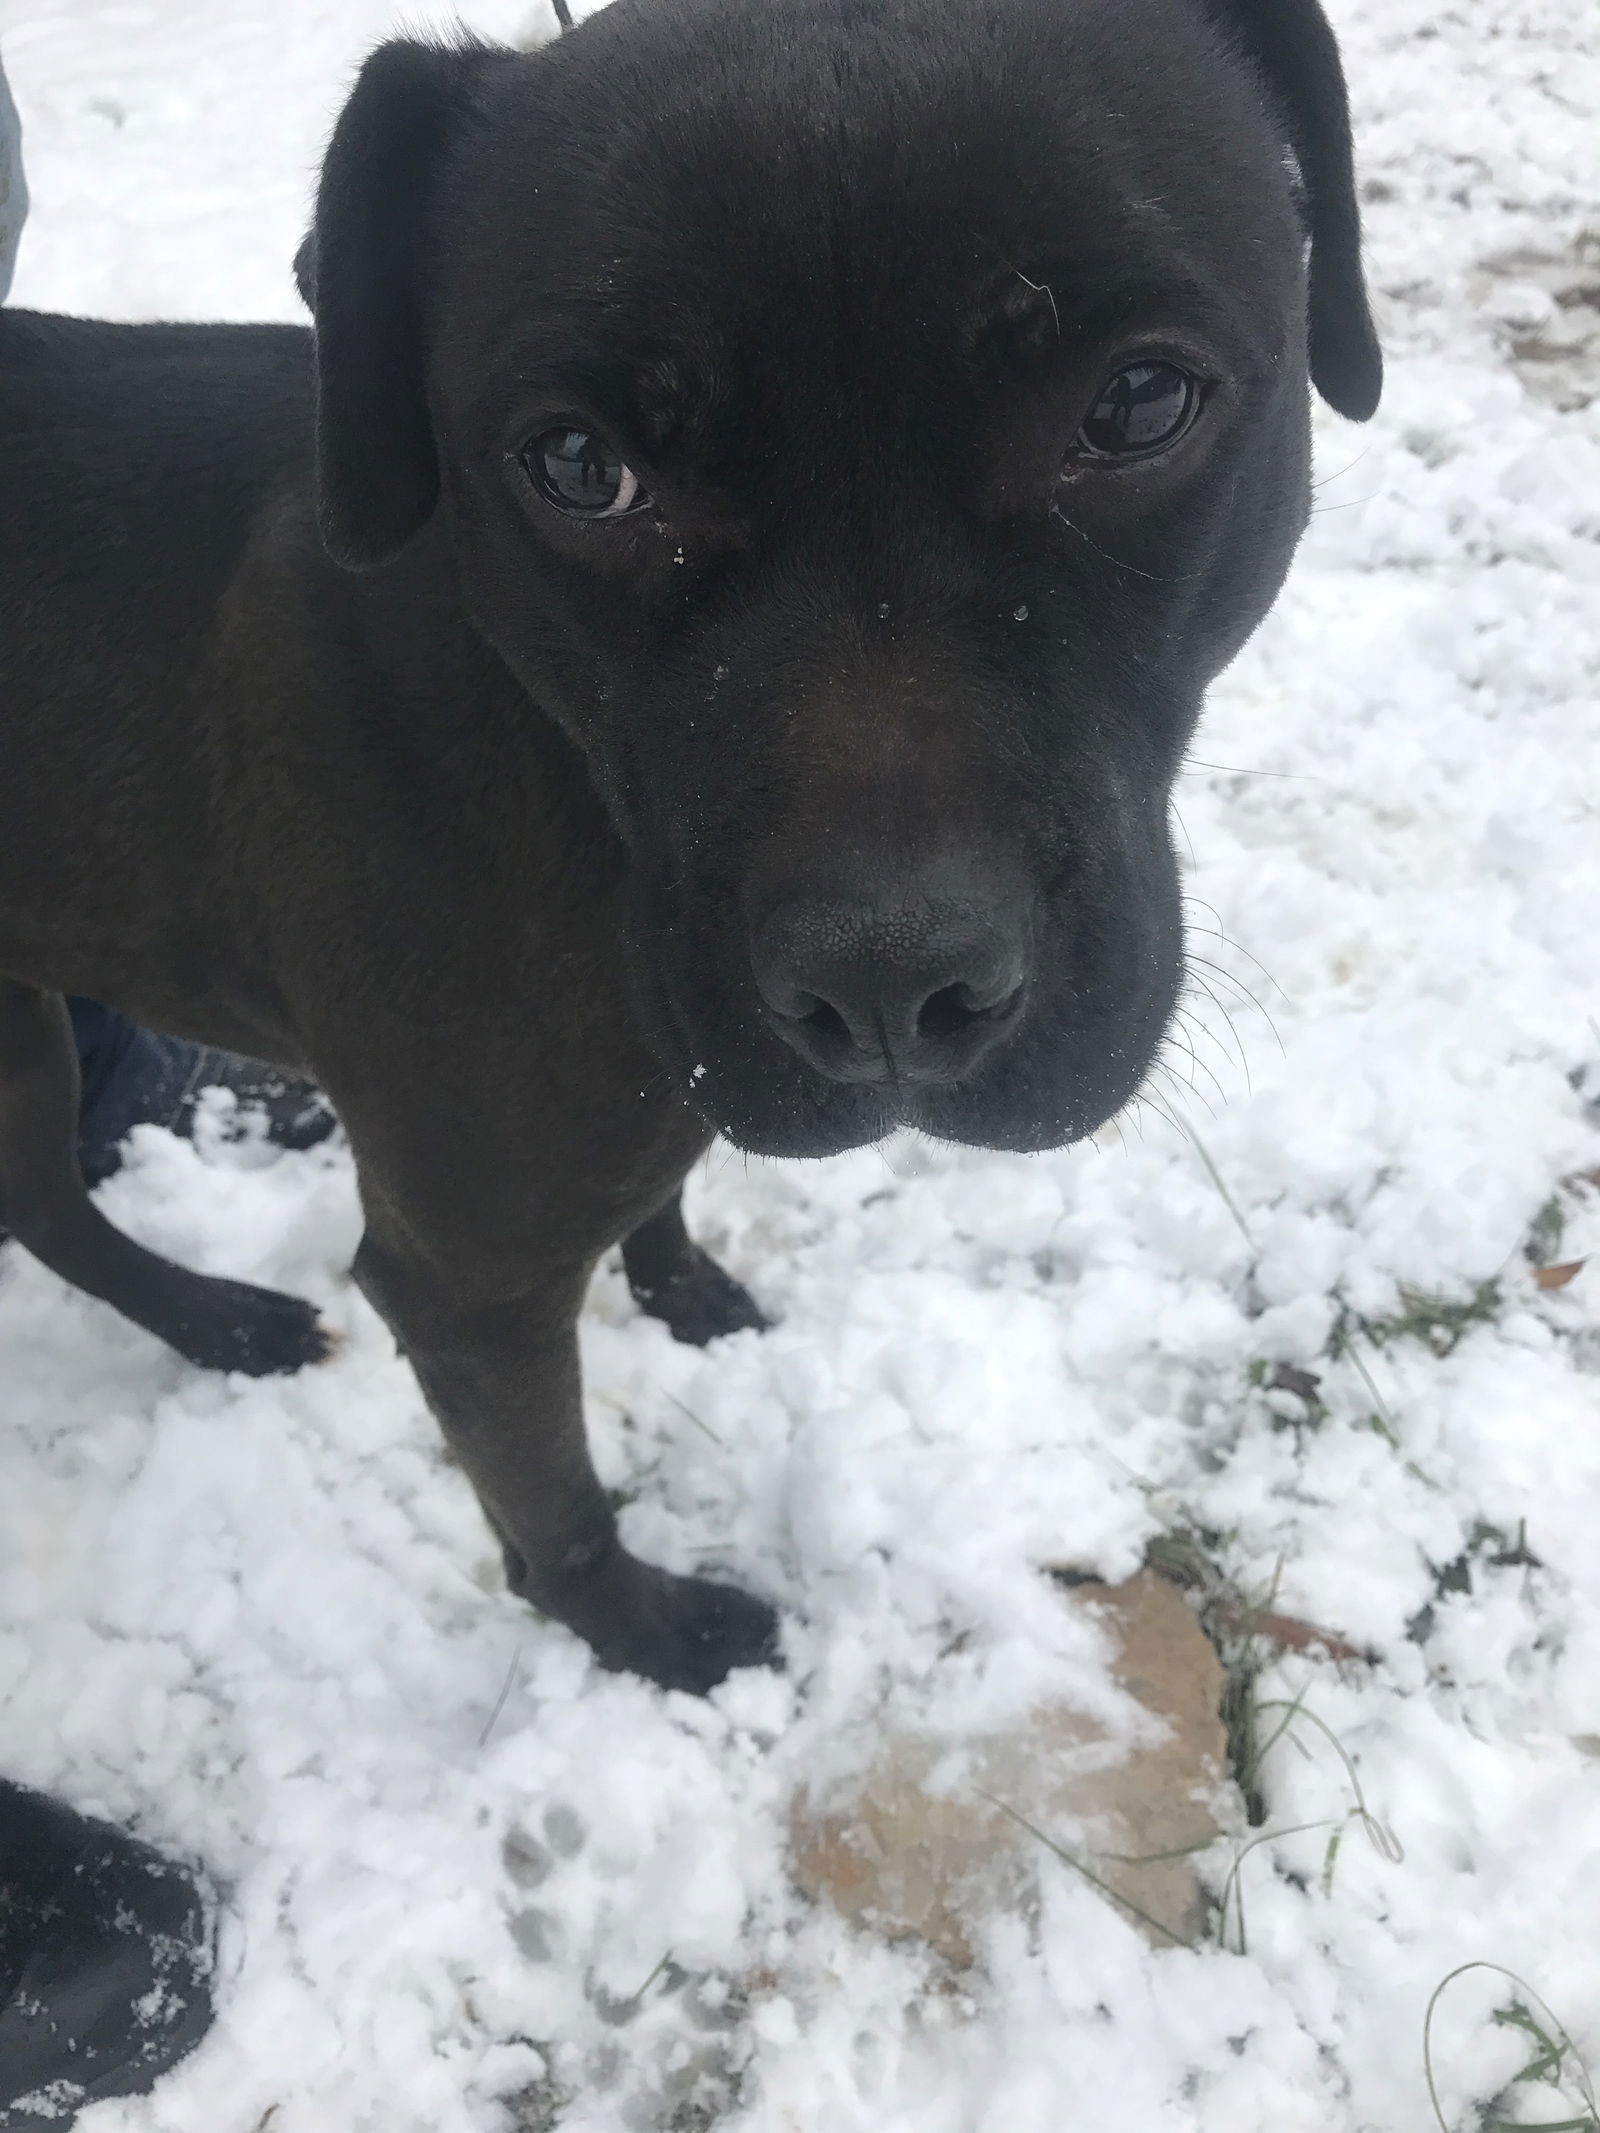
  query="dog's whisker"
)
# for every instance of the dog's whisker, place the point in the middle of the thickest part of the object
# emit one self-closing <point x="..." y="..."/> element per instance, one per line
<point x="1196" y="1022"/>
<point x="1179" y="1092"/>
<point x="1192" y="978"/>
<point x="1326" y="481"/>
<point x="1162" y="1110"/>
<point x="1200" y="903"/>
<point x="1183" y="1086"/>
<point x="1245" y="992"/>
<point x="1218" y="974"/>
<point x="1228" y="977"/>
<point x="1199" y="1065"/>
<point x="1202" y="1028"/>
<point x="1220" y="934"/>
<point x="1194" y="763"/>
<point x="1226" y="939"/>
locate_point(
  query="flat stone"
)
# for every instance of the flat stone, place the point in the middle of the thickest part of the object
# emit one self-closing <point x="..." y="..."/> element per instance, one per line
<point x="931" y="1840"/>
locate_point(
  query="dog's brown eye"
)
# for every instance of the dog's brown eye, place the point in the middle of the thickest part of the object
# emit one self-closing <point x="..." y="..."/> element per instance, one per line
<point x="1139" y="412"/>
<point x="580" y="474"/>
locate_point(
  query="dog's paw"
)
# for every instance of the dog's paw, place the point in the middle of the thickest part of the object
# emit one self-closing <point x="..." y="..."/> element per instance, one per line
<point x="692" y="1634"/>
<point x="701" y="1303"/>
<point x="230" y="1325"/>
<point x="681" y="1633"/>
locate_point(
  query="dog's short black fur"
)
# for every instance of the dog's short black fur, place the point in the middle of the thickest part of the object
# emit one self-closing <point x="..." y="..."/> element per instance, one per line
<point x="705" y="644"/>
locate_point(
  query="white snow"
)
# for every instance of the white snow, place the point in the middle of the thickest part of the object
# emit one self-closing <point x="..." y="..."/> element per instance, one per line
<point x="264" y="1622"/>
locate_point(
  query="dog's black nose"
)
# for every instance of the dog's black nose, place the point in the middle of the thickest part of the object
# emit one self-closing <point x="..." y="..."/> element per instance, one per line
<point x="899" y="994"/>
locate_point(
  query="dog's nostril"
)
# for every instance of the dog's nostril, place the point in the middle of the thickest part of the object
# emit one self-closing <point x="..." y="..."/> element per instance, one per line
<point x="823" y="1019"/>
<point x="947" y="1012"/>
<point x="954" y="1008"/>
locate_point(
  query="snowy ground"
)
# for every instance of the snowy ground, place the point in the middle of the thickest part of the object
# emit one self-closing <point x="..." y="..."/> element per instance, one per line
<point x="264" y="1622"/>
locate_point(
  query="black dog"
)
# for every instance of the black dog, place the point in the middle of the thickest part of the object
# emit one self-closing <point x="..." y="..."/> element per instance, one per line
<point x="784" y="475"/>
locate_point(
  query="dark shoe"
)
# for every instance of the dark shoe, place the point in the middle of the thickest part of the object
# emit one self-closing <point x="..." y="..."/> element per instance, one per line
<point x="132" y="1077"/>
<point x="296" y="1114"/>
<point x="105" y="1963"/>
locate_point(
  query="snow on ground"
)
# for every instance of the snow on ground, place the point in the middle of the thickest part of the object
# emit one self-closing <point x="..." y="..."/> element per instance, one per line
<point x="473" y="1884"/>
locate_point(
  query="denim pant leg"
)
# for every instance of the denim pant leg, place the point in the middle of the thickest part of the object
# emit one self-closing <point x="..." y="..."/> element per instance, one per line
<point x="130" y="1077"/>
<point x="13" y="192"/>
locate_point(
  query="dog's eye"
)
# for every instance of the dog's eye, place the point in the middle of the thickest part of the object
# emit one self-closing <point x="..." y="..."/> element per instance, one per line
<point x="580" y="474"/>
<point x="1139" y="412"/>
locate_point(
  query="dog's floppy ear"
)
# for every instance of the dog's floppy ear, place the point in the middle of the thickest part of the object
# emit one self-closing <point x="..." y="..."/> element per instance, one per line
<point x="1293" y="47"/>
<point x="377" y="467"/>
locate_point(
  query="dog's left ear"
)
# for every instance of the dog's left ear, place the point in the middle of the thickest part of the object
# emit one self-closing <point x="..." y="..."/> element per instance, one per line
<point x="1293" y="47"/>
<point x="377" y="465"/>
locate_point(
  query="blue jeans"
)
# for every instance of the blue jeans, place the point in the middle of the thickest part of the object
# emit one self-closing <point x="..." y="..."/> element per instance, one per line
<point x="131" y="1077"/>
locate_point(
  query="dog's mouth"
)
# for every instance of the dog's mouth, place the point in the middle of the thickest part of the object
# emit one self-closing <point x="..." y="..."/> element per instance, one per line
<point x="1046" y="1075"/>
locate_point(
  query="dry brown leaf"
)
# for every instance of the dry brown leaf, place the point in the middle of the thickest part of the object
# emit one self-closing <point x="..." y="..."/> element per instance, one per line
<point x="1557" y="1277"/>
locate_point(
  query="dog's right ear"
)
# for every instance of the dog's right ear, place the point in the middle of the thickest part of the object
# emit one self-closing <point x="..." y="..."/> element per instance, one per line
<point x="1295" y="50"/>
<point x="377" y="465"/>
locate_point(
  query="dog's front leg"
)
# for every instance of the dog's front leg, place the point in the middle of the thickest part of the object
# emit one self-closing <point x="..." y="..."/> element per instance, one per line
<point x="217" y="1324"/>
<point x="499" y="1367"/>
<point x="676" y="1280"/>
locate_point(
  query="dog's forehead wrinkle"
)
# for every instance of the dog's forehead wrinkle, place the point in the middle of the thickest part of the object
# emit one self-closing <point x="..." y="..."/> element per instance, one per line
<point x="825" y="145"/>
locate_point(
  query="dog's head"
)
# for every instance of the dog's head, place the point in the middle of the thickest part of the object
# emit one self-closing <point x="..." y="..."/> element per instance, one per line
<point x="866" y="426"/>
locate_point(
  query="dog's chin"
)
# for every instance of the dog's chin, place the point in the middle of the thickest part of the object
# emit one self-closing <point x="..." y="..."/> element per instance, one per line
<point x="820" y="1127"/>
<point x="1018" y="1104"/>
<point x="1056" y="1080"/>
<point x="836" y="1119"/>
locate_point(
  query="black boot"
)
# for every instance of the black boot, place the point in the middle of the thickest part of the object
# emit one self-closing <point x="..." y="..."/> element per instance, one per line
<point x="105" y="1963"/>
<point x="294" y="1113"/>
